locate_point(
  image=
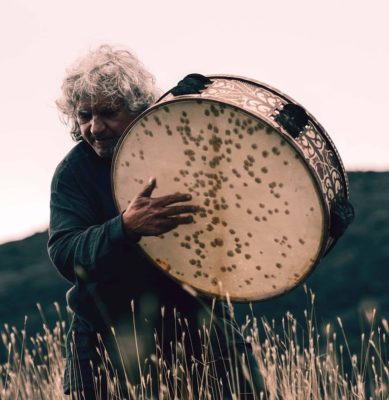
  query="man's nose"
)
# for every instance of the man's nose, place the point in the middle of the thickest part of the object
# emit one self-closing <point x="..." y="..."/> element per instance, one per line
<point x="97" y="125"/>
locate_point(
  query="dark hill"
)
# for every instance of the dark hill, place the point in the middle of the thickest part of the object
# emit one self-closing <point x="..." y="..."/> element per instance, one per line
<point x="353" y="278"/>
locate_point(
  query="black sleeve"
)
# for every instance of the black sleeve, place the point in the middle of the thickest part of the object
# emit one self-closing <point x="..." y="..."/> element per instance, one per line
<point x="75" y="236"/>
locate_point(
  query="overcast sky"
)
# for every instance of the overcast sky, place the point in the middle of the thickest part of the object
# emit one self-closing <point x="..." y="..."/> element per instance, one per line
<point x="331" y="56"/>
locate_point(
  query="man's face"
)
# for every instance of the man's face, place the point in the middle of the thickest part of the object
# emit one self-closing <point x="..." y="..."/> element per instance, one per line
<point x="102" y="123"/>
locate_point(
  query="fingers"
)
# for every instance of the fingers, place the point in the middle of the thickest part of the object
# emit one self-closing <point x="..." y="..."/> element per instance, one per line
<point x="175" y="210"/>
<point x="183" y="220"/>
<point x="172" y="223"/>
<point x="165" y="200"/>
<point x="148" y="189"/>
<point x="171" y="199"/>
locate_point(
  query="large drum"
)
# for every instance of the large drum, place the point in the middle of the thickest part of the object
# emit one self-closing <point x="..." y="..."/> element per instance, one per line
<point x="264" y="172"/>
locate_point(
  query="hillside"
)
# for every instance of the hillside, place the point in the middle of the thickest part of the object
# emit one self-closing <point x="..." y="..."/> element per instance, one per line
<point x="353" y="279"/>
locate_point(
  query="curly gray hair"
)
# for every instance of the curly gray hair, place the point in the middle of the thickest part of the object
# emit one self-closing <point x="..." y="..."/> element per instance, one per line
<point x="107" y="72"/>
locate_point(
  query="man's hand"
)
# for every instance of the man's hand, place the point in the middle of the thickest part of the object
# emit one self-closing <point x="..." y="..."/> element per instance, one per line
<point x="147" y="216"/>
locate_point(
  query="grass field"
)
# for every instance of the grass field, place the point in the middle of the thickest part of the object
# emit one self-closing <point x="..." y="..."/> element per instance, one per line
<point x="296" y="362"/>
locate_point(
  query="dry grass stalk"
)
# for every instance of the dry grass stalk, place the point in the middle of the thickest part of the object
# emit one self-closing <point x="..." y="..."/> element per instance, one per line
<point x="299" y="363"/>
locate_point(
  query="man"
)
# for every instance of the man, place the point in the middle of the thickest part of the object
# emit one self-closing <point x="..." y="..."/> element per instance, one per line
<point x="96" y="248"/>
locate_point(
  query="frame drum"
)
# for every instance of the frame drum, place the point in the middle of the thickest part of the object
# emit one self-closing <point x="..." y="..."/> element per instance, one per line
<point x="265" y="190"/>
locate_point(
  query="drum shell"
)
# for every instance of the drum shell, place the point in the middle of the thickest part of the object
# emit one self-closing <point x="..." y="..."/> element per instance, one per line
<point x="313" y="143"/>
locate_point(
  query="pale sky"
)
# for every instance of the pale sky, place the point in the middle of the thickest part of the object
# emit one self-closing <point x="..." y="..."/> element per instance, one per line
<point x="330" y="56"/>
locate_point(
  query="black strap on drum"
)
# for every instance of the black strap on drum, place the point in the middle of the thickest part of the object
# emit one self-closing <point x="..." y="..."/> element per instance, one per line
<point x="191" y="84"/>
<point x="342" y="215"/>
<point x="293" y="119"/>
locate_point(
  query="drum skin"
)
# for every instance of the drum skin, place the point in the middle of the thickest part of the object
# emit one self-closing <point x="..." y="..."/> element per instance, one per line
<point x="265" y="196"/>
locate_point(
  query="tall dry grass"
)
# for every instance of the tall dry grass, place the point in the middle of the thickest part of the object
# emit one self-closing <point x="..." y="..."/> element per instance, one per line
<point x="298" y="363"/>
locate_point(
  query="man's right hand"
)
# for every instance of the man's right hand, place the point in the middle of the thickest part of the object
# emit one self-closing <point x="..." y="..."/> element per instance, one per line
<point x="147" y="216"/>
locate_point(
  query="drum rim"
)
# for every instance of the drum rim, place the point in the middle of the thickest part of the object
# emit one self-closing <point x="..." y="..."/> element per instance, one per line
<point x="325" y="210"/>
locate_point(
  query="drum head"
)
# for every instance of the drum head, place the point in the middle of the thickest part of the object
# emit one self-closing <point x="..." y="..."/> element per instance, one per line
<point x="260" y="230"/>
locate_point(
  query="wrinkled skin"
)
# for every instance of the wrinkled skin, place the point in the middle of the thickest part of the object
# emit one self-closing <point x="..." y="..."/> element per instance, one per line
<point x="147" y="216"/>
<point x="102" y="123"/>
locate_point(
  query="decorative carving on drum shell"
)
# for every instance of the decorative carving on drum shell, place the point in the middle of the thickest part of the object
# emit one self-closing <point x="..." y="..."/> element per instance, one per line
<point x="244" y="95"/>
<point x="323" y="160"/>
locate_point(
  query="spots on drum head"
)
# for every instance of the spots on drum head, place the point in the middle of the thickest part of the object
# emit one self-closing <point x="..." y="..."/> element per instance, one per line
<point x="217" y="242"/>
<point x="236" y="173"/>
<point x="272" y="185"/>
<point x="185" y="245"/>
<point x="147" y="132"/>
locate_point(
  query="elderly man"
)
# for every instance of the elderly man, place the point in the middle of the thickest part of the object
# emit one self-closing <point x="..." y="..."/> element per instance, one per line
<point x="95" y="247"/>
